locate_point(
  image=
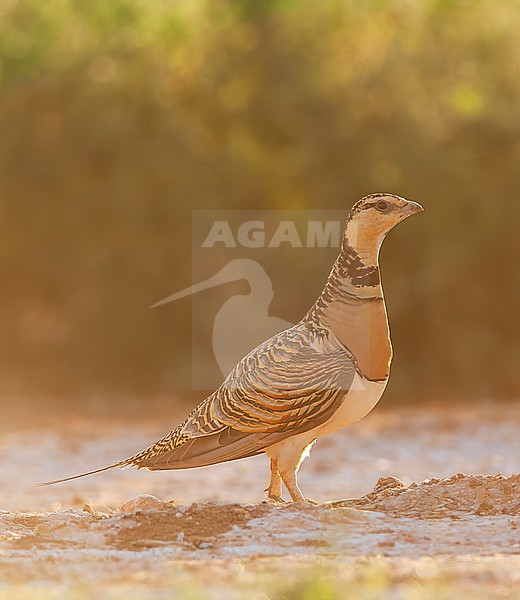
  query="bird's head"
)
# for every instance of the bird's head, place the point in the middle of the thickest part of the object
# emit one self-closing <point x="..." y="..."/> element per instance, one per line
<point x="374" y="216"/>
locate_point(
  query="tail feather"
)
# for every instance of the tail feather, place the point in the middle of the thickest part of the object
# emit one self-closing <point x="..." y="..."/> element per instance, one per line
<point x="123" y="463"/>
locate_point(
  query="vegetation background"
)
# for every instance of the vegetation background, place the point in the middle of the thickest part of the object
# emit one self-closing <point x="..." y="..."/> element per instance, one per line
<point x="119" y="118"/>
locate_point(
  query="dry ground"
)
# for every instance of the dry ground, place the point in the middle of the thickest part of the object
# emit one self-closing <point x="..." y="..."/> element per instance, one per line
<point x="212" y="536"/>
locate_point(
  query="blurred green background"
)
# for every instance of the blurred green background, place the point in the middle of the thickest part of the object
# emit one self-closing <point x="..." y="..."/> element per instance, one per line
<point x="118" y="118"/>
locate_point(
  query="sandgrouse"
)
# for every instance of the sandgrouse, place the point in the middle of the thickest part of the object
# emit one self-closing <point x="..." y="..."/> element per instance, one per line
<point x="323" y="374"/>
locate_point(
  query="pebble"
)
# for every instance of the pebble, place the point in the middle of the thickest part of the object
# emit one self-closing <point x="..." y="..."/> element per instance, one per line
<point x="143" y="502"/>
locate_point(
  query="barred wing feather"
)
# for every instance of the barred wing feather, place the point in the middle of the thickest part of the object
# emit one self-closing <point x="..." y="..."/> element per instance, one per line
<point x="290" y="384"/>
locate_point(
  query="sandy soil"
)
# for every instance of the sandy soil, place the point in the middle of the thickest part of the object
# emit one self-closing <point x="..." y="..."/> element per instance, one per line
<point x="412" y="522"/>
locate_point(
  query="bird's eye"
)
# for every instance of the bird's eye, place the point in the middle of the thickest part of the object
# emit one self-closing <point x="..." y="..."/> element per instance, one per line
<point x="382" y="206"/>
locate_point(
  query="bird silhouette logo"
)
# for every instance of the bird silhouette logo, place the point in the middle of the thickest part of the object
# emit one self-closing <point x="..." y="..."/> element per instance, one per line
<point x="243" y="321"/>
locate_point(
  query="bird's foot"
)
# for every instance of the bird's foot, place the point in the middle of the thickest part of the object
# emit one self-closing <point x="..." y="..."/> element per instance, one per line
<point x="276" y="500"/>
<point x="306" y="501"/>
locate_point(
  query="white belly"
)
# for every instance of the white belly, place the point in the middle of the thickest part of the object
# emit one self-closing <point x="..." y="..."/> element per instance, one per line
<point x="357" y="403"/>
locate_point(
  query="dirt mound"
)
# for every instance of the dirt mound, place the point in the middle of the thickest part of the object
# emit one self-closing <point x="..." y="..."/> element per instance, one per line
<point x="197" y="525"/>
<point x="458" y="495"/>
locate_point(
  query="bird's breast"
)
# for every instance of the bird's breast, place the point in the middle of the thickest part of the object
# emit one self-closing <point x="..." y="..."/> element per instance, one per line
<point x="360" y="399"/>
<point x="361" y="325"/>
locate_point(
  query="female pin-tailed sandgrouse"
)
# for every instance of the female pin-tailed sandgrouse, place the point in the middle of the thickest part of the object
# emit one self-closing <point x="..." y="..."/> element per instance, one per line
<point x="323" y="374"/>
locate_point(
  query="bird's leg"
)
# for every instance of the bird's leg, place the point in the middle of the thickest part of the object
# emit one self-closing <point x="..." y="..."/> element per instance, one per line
<point x="287" y="460"/>
<point x="289" y="478"/>
<point x="274" y="491"/>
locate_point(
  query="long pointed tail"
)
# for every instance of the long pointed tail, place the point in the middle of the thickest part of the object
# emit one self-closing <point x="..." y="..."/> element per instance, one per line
<point x="123" y="463"/>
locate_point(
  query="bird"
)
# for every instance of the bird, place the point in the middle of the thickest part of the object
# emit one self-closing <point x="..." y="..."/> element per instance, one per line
<point x="251" y="311"/>
<point x="323" y="374"/>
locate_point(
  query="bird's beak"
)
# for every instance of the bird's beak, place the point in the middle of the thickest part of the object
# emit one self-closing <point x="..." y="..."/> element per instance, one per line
<point x="411" y="208"/>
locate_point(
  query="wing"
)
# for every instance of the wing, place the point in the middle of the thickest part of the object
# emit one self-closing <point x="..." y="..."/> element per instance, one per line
<point x="290" y="384"/>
